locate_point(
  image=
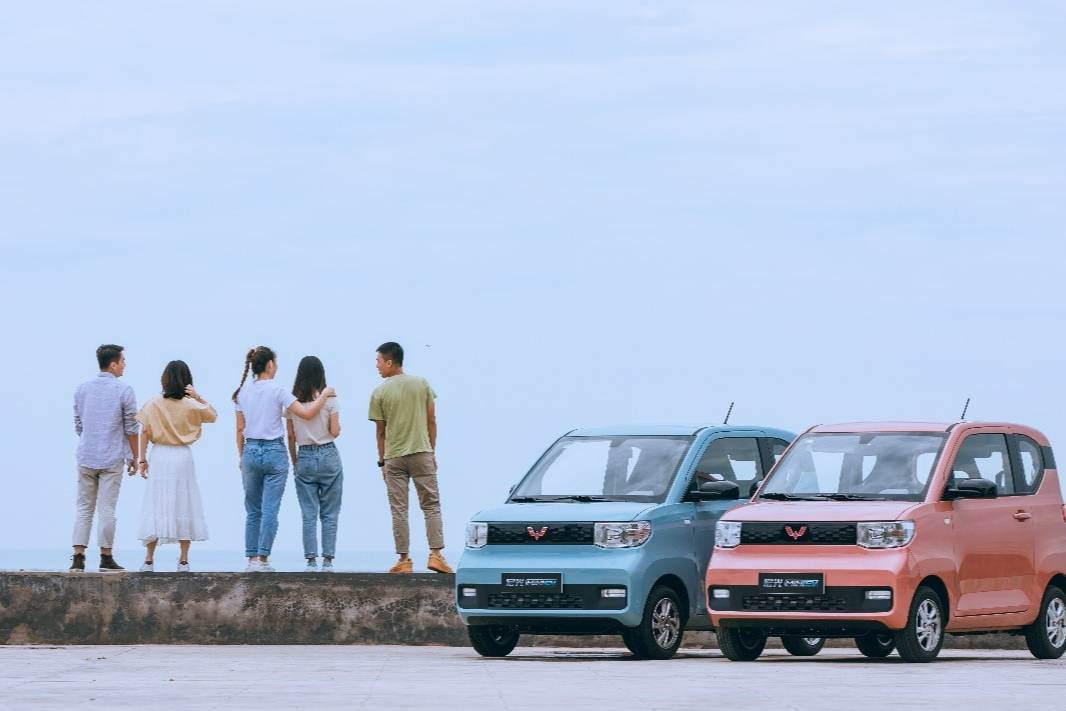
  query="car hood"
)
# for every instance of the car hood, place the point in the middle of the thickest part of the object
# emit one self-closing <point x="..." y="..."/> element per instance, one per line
<point x="821" y="511"/>
<point x="564" y="511"/>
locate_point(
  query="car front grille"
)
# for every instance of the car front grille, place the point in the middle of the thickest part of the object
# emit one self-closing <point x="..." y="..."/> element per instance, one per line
<point x="795" y="603"/>
<point x="776" y="533"/>
<point x="535" y="601"/>
<point x="541" y="534"/>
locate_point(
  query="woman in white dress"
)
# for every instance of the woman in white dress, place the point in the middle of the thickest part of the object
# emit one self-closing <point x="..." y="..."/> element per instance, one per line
<point x="173" y="511"/>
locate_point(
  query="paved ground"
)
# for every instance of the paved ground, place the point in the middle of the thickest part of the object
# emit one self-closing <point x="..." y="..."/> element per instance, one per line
<point x="261" y="677"/>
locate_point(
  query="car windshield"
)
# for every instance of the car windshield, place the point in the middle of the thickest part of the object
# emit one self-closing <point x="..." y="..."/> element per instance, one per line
<point x="630" y="468"/>
<point x="877" y="466"/>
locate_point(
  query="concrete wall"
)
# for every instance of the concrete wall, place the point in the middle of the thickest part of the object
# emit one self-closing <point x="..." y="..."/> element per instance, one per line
<point x="261" y="608"/>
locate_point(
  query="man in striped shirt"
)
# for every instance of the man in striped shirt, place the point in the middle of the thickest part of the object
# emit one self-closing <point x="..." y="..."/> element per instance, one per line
<point x="104" y="418"/>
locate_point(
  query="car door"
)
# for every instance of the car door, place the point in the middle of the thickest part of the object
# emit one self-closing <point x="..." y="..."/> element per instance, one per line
<point x="731" y="456"/>
<point x="993" y="538"/>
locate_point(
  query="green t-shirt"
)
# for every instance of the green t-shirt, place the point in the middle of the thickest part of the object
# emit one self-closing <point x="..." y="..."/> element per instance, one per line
<point x="401" y="403"/>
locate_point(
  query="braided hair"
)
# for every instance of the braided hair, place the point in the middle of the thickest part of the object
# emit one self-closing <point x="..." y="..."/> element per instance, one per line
<point x="256" y="360"/>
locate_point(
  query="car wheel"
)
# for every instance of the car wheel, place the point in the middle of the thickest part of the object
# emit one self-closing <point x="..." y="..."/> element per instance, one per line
<point x="492" y="640"/>
<point x="803" y="646"/>
<point x="922" y="638"/>
<point x="741" y="644"/>
<point x="1046" y="637"/>
<point x="876" y="645"/>
<point x="660" y="631"/>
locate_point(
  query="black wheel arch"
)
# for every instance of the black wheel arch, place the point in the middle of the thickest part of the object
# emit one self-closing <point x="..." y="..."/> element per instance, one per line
<point x="934" y="583"/>
<point x="678" y="586"/>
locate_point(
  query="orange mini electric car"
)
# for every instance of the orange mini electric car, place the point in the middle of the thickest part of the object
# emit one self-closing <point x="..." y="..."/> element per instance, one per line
<point x="894" y="534"/>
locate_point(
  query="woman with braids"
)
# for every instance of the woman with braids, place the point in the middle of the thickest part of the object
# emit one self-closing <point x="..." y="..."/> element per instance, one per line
<point x="172" y="511"/>
<point x="261" y="404"/>
<point x="317" y="464"/>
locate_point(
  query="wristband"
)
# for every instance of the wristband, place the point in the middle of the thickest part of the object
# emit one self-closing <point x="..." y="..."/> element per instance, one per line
<point x="381" y="462"/>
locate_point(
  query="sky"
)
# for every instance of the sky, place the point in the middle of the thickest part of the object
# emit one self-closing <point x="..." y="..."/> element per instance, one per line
<point x="570" y="214"/>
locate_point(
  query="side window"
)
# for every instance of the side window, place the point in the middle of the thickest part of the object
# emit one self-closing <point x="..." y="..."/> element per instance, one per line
<point x="777" y="448"/>
<point x="984" y="456"/>
<point x="731" y="459"/>
<point x="1032" y="464"/>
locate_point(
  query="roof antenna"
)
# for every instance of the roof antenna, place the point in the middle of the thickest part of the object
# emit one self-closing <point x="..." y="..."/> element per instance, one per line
<point x="728" y="413"/>
<point x="965" y="408"/>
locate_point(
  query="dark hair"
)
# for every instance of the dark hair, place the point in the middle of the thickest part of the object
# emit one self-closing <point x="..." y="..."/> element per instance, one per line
<point x="392" y="351"/>
<point x="257" y="359"/>
<point x="310" y="379"/>
<point x="107" y="354"/>
<point x="176" y="377"/>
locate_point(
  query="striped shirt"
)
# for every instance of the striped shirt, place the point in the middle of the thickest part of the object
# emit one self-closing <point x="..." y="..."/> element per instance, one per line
<point x="105" y="412"/>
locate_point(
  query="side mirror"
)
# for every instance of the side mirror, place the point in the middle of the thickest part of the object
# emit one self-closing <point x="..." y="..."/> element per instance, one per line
<point x="716" y="491"/>
<point x="972" y="489"/>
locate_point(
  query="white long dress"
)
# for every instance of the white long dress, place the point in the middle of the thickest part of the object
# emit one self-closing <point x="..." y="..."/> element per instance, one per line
<point x="172" y="510"/>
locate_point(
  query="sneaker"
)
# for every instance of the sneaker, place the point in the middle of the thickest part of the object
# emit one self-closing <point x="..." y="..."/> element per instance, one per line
<point x="437" y="563"/>
<point x="403" y="566"/>
<point x="108" y="564"/>
<point x="148" y="566"/>
<point x="183" y="567"/>
<point x="312" y="565"/>
<point x="327" y="565"/>
<point x="253" y="566"/>
<point x="78" y="563"/>
<point x="265" y="568"/>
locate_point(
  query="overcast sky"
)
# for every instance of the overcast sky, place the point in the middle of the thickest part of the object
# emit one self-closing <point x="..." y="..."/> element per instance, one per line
<point x="569" y="214"/>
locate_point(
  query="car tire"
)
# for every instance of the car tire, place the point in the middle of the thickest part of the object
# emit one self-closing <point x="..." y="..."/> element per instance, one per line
<point x="662" y="628"/>
<point x="1046" y="637"/>
<point x="492" y="640"/>
<point x="803" y="646"/>
<point x="876" y="645"/>
<point x="922" y="638"/>
<point x="740" y="644"/>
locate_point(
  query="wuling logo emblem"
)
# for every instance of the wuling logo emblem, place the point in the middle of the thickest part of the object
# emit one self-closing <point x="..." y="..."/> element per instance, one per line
<point x="796" y="534"/>
<point x="535" y="534"/>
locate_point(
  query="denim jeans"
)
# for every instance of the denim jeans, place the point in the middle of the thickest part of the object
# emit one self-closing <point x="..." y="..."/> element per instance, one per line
<point x="319" y="484"/>
<point x="265" y="466"/>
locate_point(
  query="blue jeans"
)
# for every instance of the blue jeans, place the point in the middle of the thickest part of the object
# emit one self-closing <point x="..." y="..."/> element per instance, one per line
<point x="265" y="466"/>
<point x="319" y="484"/>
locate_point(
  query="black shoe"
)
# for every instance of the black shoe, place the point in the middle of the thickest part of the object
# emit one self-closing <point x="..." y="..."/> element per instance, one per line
<point x="108" y="564"/>
<point x="78" y="566"/>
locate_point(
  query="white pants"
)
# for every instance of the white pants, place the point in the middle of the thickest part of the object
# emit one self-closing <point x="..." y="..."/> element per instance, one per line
<point x="97" y="488"/>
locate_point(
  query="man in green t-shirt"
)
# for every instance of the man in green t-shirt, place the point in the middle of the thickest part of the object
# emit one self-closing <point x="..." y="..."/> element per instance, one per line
<point x="402" y="408"/>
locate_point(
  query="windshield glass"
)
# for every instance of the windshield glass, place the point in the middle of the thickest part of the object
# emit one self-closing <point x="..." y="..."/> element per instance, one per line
<point x="891" y="466"/>
<point x="636" y="468"/>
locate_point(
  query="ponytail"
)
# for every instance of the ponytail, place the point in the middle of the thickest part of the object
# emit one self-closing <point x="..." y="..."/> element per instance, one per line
<point x="244" y="376"/>
<point x="257" y="360"/>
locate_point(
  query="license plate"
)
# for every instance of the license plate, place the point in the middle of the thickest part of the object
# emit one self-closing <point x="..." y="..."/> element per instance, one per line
<point x="532" y="582"/>
<point x="792" y="583"/>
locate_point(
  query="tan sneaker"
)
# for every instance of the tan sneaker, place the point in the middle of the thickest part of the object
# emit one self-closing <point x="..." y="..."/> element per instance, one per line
<point x="403" y="566"/>
<point x="437" y="563"/>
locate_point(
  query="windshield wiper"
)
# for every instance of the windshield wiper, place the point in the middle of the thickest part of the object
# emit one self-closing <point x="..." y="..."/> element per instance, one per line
<point x="854" y="497"/>
<point x="583" y="498"/>
<point x="781" y="496"/>
<point x="527" y="499"/>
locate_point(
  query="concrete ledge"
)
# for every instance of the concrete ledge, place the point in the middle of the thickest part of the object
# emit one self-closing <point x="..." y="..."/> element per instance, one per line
<point x="267" y="608"/>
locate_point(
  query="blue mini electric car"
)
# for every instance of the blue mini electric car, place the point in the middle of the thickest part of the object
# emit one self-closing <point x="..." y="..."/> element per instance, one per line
<point x="610" y="532"/>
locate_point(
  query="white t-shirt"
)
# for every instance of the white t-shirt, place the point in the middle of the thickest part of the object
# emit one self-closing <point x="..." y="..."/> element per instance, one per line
<point x="263" y="403"/>
<point x="315" y="430"/>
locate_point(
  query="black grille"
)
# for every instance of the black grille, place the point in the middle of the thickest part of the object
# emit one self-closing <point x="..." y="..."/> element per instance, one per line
<point x="553" y="534"/>
<point x="535" y="601"/>
<point x="824" y="534"/>
<point x="796" y="603"/>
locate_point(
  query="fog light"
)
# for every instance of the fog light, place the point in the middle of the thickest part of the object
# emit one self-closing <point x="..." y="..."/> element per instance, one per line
<point x="720" y="594"/>
<point x="878" y="594"/>
<point x="469" y="592"/>
<point x="613" y="592"/>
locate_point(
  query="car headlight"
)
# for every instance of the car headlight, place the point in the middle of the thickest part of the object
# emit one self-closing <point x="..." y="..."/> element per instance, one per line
<point x="621" y="535"/>
<point x="885" y="534"/>
<point x="727" y="534"/>
<point x="477" y="534"/>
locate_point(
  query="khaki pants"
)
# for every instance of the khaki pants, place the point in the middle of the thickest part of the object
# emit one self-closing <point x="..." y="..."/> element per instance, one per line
<point x="420" y="469"/>
<point x="97" y="488"/>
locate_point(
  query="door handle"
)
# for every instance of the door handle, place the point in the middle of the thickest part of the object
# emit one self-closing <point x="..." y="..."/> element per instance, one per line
<point x="1022" y="516"/>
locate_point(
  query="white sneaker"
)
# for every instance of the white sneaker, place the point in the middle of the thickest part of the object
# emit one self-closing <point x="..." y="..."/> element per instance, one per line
<point x="312" y="566"/>
<point x="183" y="567"/>
<point x="327" y="565"/>
<point x="253" y="566"/>
<point x="265" y="568"/>
<point x="147" y="567"/>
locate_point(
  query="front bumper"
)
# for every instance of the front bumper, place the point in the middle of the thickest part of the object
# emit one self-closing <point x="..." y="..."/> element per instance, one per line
<point x="843" y="609"/>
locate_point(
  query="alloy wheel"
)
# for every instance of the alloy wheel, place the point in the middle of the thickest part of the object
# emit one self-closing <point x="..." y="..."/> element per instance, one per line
<point x="665" y="623"/>
<point x="928" y="626"/>
<point x="1056" y="622"/>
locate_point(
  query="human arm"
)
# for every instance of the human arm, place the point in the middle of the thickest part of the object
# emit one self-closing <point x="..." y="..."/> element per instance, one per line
<point x="142" y="452"/>
<point x="431" y="424"/>
<point x="77" y="412"/>
<point x="207" y="413"/>
<point x="292" y="440"/>
<point x="381" y="441"/>
<point x="130" y="426"/>
<point x="307" y="411"/>
<point x="240" y="435"/>
<point x="334" y="425"/>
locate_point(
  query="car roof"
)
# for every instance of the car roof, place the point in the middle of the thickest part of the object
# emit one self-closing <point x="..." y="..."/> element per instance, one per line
<point x="672" y="430"/>
<point x="889" y="426"/>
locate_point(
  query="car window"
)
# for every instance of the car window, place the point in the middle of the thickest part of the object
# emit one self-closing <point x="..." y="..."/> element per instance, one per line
<point x="777" y="448"/>
<point x="1032" y="462"/>
<point x="730" y="459"/>
<point x="984" y="456"/>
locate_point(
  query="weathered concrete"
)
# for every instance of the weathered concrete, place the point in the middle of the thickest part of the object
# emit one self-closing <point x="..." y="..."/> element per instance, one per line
<point x="266" y="608"/>
<point x="265" y="677"/>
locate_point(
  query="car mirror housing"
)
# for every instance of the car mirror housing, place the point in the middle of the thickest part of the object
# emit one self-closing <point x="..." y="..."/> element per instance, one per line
<point x="716" y="490"/>
<point x="972" y="489"/>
